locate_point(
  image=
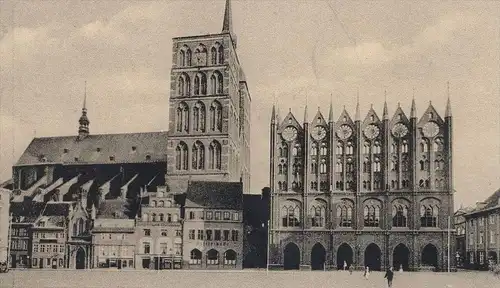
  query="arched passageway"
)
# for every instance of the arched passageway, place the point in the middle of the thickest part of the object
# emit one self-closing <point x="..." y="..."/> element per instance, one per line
<point x="373" y="257"/>
<point x="318" y="257"/>
<point x="401" y="257"/>
<point x="291" y="257"/>
<point x="430" y="256"/>
<point x="344" y="254"/>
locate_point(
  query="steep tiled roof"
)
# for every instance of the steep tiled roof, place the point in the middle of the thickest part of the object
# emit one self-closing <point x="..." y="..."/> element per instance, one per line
<point x="217" y="195"/>
<point x="149" y="147"/>
<point x="32" y="210"/>
<point x="492" y="201"/>
<point x="113" y="208"/>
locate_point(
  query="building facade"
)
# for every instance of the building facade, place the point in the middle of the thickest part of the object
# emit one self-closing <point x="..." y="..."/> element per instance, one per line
<point x="159" y="232"/>
<point x="213" y="226"/>
<point x="482" y="234"/>
<point x="113" y="243"/>
<point x="369" y="191"/>
<point x="209" y="114"/>
<point x="460" y="228"/>
<point x="4" y="224"/>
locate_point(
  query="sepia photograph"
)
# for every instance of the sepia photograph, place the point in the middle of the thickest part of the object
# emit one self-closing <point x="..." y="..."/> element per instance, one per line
<point x="249" y="143"/>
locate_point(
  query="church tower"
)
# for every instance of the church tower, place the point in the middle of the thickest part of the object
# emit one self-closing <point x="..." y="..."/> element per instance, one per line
<point x="83" y="129"/>
<point x="209" y="122"/>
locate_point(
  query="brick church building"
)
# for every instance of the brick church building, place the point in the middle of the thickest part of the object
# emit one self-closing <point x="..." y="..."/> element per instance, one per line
<point x="368" y="191"/>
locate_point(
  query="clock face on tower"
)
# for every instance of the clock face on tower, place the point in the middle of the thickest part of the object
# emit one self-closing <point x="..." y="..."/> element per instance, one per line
<point x="344" y="132"/>
<point x="430" y="129"/>
<point x="318" y="132"/>
<point x="289" y="134"/>
<point x="399" y="130"/>
<point x="371" y="131"/>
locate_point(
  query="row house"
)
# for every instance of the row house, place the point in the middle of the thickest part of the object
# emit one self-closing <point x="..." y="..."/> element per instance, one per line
<point x="159" y="231"/>
<point x="482" y="234"/>
<point x="213" y="225"/>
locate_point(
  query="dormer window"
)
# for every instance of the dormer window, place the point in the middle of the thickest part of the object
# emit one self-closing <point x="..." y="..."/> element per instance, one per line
<point x="111" y="158"/>
<point x="65" y="150"/>
<point x="41" y="224"/>
<point x="42" y="158"/>
<point x="98" y="149"/>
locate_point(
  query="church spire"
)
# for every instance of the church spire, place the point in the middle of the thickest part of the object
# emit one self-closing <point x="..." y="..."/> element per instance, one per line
<point x="305" y="115"/>
<point x="413" y="110"/>
<point x="448" y="103"/>
<point x="227" y="24"/>
<point x="357" y="117"/>
<point x="273" y="116"/>
<point x="386" y="113"/>
<point x="83" y="129"/>
<point x="330" y="113"/>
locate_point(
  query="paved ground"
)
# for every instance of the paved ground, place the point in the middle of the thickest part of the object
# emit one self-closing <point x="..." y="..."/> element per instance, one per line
<point x="242" y="279"/>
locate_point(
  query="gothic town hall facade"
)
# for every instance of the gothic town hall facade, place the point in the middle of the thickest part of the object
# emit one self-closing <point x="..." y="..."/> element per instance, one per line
<point x="364" y="192"/>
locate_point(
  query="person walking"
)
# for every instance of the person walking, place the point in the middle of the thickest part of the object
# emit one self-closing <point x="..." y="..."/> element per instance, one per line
<point x="389" y="275"/>
<point x="367" y="272"/>
<point x="350" y="269"/>
<point x="345" y="265"/>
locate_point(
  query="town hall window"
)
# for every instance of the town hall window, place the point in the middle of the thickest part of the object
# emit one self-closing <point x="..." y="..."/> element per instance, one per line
<point x="344" y="214"/>
<point x="372" y="215"/>
<point x="290" y="215"/>
<point x="429" y="212"/>
<point x="399" y="216"/>
<point x="317" y="214"/>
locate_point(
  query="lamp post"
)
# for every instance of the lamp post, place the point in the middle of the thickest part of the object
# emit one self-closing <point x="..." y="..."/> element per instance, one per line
<point x="268" y="244"/>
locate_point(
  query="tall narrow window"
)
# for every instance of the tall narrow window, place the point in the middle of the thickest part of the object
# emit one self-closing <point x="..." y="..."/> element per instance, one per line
<point x="314" y="149"/>
<point x="215" y="155"/>
<point x="213" y="54"/>
<point x="423" y="146"/>
<point x="182" y="58"/>
<point x="182" y="117"/>
<point x="181" y="152"/>
<point x="216" y="116"/>
<point x="198" y="156"/>
<point x="322" y="166"/>
<point x="220" y="51"/>
<point x="324" y="150"/>
<point x="200" y="84"/>
<point x="199" y="117"/>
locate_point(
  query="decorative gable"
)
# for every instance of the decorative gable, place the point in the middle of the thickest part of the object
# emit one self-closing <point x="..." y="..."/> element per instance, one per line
<point x="371" y="117"/>
<point x="289" y="120"/>
<point x="430" y="115"/>
<point x="318" y="119"/>
<point x="399" y="116"/>
<point x="344" y="119"/>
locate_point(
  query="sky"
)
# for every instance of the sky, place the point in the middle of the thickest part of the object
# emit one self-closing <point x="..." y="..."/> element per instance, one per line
<point x="293" y="53"/>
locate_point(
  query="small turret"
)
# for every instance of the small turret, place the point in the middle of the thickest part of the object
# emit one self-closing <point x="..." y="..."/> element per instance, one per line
<point x="83" y="129"/>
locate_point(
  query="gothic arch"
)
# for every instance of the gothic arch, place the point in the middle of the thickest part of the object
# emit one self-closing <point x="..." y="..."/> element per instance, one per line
<point x="181" y="156"/>
<point x="200" y="84"/>
<point x="216" y="116"/>
<point x="344" y="254"/>
<point x="318" y="257"/>
<point x="401" y="257"/>
<point x="373" y="257"/>
<point x="216" y="83"/>
<point x="215" y="155"/>
<point x="199" y="116"/>
<point x="291" y="212"/>
<point x="198" y="155"/>
<point x="317" y="212"/>
<point x="182" y="117"/>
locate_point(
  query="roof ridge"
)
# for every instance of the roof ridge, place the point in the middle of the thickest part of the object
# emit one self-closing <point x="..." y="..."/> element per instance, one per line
<point x="103" y="134"/>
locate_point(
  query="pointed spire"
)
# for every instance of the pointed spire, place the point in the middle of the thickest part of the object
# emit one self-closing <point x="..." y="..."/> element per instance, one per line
<point x="305" y="115"/>
<point x="386" y="113"/>
<point x="448" y="103"/>
<point x="413" y="110"/>
<point x="83" y="129"/>
<point x="330" y="113"/>
<point x="227" y="25"/>
<point x="273" y="115"/>
<point x="357" y="116"/>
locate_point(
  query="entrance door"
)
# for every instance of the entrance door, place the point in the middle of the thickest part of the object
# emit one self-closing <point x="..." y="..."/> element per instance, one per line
<point x="373" y="257"/>
<point x="318" y="257"/>
<point x="291" y="257"/>
<point x="80" y="258"/>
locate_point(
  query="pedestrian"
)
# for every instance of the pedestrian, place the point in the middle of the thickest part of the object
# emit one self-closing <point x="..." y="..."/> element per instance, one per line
<point x="345" y="265"/>
<point x="367" y="272"/>
<point x="400" y="268"/>
<point x="350" y="269"/>
<point x="389" y="275"/>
